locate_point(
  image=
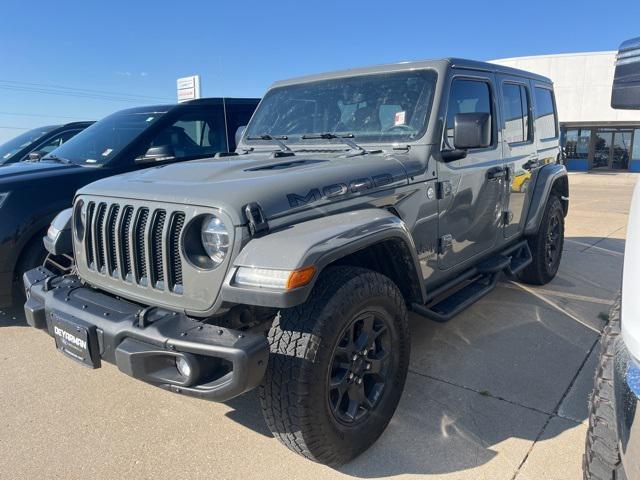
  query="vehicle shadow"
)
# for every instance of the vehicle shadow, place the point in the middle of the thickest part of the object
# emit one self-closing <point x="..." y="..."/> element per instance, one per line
<point x="492" y="376"/>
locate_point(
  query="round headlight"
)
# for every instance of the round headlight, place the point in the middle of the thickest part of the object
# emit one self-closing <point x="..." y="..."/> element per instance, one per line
<point x="215" y="239"/>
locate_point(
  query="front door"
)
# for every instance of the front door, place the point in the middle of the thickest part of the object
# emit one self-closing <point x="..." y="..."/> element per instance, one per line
<point x="518" y="150"/>
<point x="471" y="188"/>
<point x="612" y="149"/>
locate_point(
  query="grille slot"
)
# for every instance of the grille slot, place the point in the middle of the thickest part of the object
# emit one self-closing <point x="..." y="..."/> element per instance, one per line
<point x="89" y="234"/>
<point x="125" y="226"/>
<point x="111" y="231"/>
<point x="173" y="250"/>
<point x="99" y="233"/>
<point x="157" y="274"/>
<point x="140" y="245"/>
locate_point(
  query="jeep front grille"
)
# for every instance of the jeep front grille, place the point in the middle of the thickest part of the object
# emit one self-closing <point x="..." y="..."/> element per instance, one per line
<point x="138" y="245"/>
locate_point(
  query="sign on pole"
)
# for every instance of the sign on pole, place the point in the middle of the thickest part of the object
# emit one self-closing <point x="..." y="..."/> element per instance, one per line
<point x="188" y="88"/>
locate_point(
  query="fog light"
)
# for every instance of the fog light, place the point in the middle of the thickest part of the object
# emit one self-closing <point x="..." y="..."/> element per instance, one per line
<point x="183" y="366"/>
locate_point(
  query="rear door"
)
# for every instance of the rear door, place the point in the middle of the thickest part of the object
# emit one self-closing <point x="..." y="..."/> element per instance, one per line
<point x="471" y="188"/>
<point x="546" y="129"/>
<point x="520" y="157"/>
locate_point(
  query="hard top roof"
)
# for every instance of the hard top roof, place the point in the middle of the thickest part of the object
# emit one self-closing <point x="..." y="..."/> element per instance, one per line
<point x="439" y="65"/>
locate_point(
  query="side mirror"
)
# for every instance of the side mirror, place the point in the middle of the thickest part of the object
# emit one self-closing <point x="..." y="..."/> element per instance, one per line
<point x="158" y="154"/>
<point x="626" y="81"/>
<point x="36" y="156"/>
<point x="471" y="130"/>
<point x="239" y="133"/>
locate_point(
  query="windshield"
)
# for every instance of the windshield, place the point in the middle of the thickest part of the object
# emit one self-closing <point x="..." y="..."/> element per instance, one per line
<point x="387" y="107"/>
<point x="103" y="140"/>
<point x="13" y="146"/>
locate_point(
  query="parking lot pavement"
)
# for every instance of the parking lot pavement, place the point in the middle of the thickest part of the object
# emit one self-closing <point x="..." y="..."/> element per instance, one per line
<point x="499" y="392"/>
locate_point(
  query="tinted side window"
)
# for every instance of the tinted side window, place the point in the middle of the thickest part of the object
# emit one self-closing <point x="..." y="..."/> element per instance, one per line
<point x="467" y="96"/>
<point x="516" y="113"/>
<point x="53" y="143"/>
<point x="238" y="115"/>
<point x="546" y="121"/>
<point x="195" y="134"/>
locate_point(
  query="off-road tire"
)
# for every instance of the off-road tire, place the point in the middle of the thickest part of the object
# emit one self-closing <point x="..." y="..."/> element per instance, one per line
<point x="33" y="255"/>
<point x="601" y="460"/>
<point x="303" y="339"/>
<point x="539" y="272"/>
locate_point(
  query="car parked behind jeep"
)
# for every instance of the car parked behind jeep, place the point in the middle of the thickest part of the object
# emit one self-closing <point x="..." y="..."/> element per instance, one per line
<point x="32" y="193"/>
<point x="291" y="266"/>
<point x="36" y="143"/>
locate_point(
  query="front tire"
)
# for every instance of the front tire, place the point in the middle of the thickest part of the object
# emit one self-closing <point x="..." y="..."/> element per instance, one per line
<point x="601" y="460"/>
<point x="338" y="366"/>
<point x="546" y="245"/>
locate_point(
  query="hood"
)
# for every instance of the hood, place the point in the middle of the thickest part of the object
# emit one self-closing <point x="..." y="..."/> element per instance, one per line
<point x="29" y="169"/>
<point x="280" y="185"/>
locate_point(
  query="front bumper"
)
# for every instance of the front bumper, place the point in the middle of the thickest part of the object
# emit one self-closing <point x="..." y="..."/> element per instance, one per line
<point x="146" y="343"/>
<point x="626" y="381"/>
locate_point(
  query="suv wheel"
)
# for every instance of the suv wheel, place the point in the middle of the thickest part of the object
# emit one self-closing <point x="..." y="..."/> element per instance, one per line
<point x="338" y="366"/>
<point x="546" y="245"/>
<point x="33" y="255"/>
<point x="601" y="460"/>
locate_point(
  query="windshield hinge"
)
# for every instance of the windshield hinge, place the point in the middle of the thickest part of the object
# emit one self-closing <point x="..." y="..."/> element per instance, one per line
<point x="258" y="224"/>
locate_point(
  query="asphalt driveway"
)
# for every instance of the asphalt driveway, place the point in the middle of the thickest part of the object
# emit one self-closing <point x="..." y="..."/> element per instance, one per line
<point x="500" y="392"/>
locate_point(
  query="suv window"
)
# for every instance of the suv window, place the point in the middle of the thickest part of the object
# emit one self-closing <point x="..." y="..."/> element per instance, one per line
<point x="546" y="122"/>
<point x="53" y="143"/>
<point x="195" y="134"/>
<point x="467" y="96"/>
<point x="516" y="113"/>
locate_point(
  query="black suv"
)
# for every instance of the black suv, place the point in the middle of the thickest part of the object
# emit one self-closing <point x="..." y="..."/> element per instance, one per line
<point x="32" y="193"/>
<point x="38" y="142"/>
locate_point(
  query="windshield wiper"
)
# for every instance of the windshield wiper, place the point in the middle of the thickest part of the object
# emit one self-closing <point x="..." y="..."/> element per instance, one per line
<point x="57" y="159"/>
<point x="275" y="139"/>
<point x="346" y="139"/>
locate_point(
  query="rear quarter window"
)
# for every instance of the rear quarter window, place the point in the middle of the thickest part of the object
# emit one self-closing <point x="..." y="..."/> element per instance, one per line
<point x="546" y="116"/>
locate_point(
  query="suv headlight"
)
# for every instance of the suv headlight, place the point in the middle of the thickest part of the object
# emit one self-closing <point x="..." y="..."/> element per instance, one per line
<point x="215" y="239"/>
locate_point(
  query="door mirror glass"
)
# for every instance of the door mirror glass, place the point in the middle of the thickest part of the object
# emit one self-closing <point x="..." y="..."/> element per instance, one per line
<point x="239" y="133"/>
<point x="472" y="130"/>
<point x="158" y="154"/>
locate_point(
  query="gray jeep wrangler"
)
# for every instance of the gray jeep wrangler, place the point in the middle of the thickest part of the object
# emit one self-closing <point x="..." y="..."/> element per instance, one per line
<point x="291" y="265"/>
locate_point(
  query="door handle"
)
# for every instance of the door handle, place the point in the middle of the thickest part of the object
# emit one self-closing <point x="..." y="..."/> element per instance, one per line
<point x="496" y="172"/>
<point x="531" y="164"/>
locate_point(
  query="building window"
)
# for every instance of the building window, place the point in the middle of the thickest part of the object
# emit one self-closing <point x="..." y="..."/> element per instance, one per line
<point x="516" y="112"/>
<point x="546" y="121"/>
<point x="576" y="144"/>
<point x="635" y="154"/>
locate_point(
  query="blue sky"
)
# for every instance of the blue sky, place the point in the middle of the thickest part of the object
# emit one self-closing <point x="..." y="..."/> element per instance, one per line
<point x="138" y="48"/>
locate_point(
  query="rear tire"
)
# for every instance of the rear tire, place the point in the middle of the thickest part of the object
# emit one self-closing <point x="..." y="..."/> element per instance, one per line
<point x="546" y="245"/>
<point x="338" y="366"/>
<point x="601" y="460"/>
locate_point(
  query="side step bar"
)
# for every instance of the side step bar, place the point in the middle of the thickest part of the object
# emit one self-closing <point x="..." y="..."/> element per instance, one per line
<point x="454" y="296"/>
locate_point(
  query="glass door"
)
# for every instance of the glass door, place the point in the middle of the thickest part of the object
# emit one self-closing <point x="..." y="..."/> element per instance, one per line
<point x="621" y="149"/>
<point x="602" y="149"/>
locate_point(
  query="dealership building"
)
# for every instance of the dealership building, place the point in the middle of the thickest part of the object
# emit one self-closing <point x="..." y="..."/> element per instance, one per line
<point x="594" y="135"/>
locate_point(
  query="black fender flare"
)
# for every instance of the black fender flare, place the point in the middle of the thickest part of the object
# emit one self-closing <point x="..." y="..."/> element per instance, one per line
<point x="318" y="242"/>
<point x="548" y="177"/>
